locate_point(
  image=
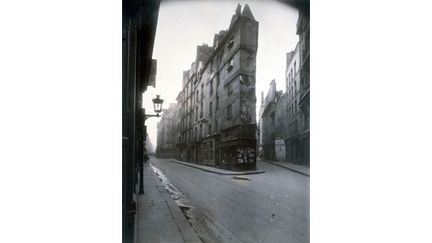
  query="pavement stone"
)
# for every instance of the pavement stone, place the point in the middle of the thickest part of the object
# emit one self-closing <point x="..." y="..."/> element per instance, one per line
<point x="159" y="219"/>
<point x="217" y="170"/>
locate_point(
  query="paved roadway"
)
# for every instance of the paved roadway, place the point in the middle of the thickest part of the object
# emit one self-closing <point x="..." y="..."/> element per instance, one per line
<point x="268" y="207"/>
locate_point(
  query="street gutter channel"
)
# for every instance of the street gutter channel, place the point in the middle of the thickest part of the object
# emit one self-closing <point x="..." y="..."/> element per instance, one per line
<point x="176" y="195"/>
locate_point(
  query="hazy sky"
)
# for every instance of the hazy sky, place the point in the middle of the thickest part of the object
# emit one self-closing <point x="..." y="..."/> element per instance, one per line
<point x="182" y="25"/>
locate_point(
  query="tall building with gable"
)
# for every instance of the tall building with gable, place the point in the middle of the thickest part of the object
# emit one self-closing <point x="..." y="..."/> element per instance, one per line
<point x="217" y="104"/>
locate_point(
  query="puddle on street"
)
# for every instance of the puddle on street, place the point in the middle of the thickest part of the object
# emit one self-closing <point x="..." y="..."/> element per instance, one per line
<point x="201" y="222"/>
<point x="172" y="190"/>
<point x="174" y="193"/>
<point x="241" y="178"/>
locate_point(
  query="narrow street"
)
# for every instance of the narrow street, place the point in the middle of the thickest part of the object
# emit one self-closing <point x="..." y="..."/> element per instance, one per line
<point x="268" y="207"/>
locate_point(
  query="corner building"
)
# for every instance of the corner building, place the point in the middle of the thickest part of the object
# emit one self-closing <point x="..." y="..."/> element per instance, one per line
<point x="217" y="104"/>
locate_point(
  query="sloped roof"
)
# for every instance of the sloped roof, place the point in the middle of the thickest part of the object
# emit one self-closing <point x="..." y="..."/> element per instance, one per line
<point x="247" y="12"/>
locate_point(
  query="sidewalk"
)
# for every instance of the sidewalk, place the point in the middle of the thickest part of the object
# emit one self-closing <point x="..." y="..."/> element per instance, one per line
<point x="159" y="219"/>
<point x="216" y="170"/>
<point x="304" y="170"/>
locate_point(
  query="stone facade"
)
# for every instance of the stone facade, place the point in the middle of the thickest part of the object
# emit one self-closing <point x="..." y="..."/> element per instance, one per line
<point x="294" y="116"/>
<point x="260" y="128"/>
<point x="216" y="107"/>
<point x="284" y="118"/>
<point x="268" y="118"/>
<point x="303" y="31"/>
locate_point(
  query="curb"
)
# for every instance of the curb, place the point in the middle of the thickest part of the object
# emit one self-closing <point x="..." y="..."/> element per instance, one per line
<point x="186" y="230"/>
<point x="219" y="171"/>
<point x="288" y="168"/>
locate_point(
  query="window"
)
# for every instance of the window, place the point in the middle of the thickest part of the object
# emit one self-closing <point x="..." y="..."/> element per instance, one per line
<point x="230" y="65"/>
<point x="217" y="103"/>
<point x="197" y="95"/>
<point x="211" y="87"/>
<point x="210" y="108"/>
<point x="295" y="67"/>
<point x="229" y="88"/>
<point x="196" y="113"/>
<point x="209" y="129"/>
<point x="229" y="112"/>
<point x="200" y="134"/>
<point x="202" y="91"/>
<point x="202" y="108"/>
<point x="230" y="43"/>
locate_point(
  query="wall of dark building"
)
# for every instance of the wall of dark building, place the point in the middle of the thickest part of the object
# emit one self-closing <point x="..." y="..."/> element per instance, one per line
<point x="139" y="20"/>
<point x="217" y="103"/>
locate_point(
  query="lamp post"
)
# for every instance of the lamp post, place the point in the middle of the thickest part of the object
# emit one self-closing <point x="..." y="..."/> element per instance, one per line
<point x="157" y="104"/>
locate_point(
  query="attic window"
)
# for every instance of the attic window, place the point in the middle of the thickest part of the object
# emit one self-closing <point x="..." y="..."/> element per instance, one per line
<point x="230" y="43"/>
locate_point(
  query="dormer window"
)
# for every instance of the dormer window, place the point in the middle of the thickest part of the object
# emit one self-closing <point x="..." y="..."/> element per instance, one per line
<point x="230" y="43"/>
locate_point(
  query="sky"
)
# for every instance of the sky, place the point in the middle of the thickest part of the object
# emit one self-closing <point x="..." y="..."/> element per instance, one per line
<point x="182" y="25"/>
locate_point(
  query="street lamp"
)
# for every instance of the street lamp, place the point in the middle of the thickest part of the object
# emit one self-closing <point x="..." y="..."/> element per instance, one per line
<point x="157" y="104"/>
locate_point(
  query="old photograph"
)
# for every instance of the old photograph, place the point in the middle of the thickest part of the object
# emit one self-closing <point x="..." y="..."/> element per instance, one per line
<point x="216" y="133"/>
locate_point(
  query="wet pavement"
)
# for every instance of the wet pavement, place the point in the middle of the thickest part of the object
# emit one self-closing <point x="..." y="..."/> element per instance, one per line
<point x="159" y="219"/>
<point x="267" y="207"/>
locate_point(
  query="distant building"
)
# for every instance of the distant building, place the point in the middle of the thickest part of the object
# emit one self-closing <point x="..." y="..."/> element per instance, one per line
<point x="284" y="130"/>
<point x="268" y="118"/>
<point x="281" y="128"/>
<point x="217" y="103"/>
<point x="165" y="133"/>
<point x="149" y="148"/>
<point x="260" y="128"/>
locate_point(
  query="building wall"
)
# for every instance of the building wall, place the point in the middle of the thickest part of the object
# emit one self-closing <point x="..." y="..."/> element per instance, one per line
<point x="303" y="30"/>
<point x="260" y="127"/>
<point x="269" y="121"/>
<point x="294" y="116"/>
<point x="281" y="127"/>
<point x="166" y="133"/>
<point x="217" y="103"/>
